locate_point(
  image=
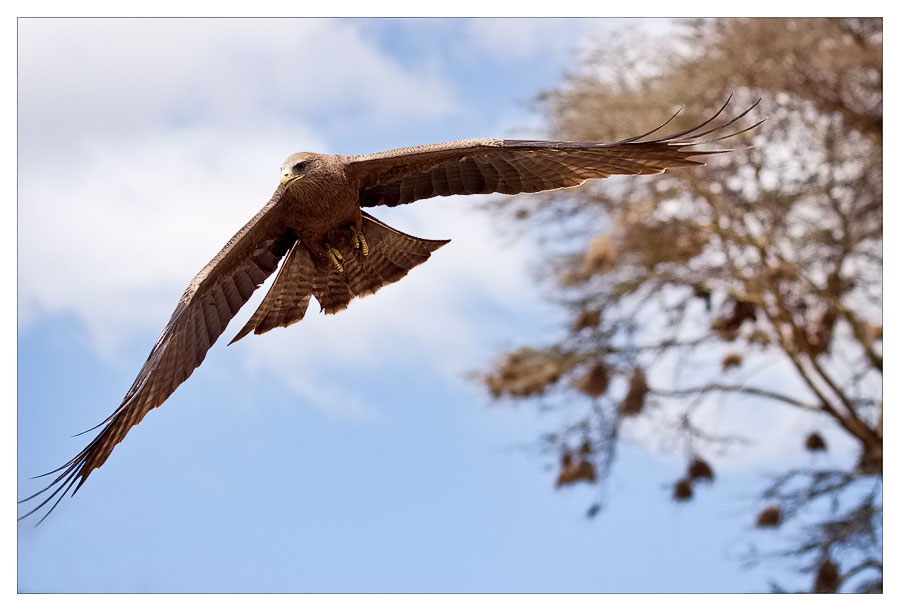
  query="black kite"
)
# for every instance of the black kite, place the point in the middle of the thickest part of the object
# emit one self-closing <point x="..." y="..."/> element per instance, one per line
<point x="336" y="252"/>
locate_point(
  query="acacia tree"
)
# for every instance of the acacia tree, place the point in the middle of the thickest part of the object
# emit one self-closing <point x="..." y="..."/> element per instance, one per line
<point x="755" y="279"/>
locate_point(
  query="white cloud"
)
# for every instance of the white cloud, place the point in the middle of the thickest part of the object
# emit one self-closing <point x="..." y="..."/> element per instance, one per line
<point x="515" y="39"/>
<point x="126" y="74"/>
<point x="518" y="38"/>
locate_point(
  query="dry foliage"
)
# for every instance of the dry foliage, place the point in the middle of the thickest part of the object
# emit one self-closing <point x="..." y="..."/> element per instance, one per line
<point x="772" y="253"/>
<point x="633" y="403"/>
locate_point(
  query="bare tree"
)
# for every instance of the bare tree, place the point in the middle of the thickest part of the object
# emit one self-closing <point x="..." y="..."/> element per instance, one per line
<point x="769" y="259"/>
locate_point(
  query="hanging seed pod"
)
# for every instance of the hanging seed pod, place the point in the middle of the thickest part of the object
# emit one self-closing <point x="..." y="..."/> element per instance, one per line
<point x="815" y="443"/>
<point x="524" y="373"/>
<point x="595" y="382"/>
<point x="721" y="327"/>
<point x="818" y="336"/>
<point x="567" y="471"/>
<point x="567" y="475"/>
<point x="727" y="326"/>
<point x="743" y="310"/>
<point x="585" y="320"/>
<point x="633" y="403"/>
<point x="759" y="337"/>
<point x="827" y="578"/>
<point x="731" y="361"/>
<point x="656" y="242"/>
<point x="705" y="295"/>
<point x="700" y="469"/>
<point x="683" y="490"/>
<point x="582" y="471"/>
<point x="770" y="517"/>
<point x="600" y="257"/>
<point x="585" y="472"/>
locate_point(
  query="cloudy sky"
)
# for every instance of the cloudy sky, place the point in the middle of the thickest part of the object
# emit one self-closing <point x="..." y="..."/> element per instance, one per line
<point x="347" y="453"/>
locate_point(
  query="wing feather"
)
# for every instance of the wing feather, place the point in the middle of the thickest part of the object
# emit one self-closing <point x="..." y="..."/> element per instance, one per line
<point x="484" y="165"/>
<point x="204" y="310"/>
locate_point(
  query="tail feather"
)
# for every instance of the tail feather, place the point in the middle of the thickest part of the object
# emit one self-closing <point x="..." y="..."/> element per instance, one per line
<point x="287" y="300"/>
<point x="358" y="281"/>
<point x="391" y="255"/>
<point x="330" y="287"/>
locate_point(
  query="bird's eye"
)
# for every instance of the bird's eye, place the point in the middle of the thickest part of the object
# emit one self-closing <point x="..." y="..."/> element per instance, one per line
<point x="300" y="167"/>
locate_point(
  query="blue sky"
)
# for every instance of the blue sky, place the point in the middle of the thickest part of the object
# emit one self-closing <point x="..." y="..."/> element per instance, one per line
<point x="346" y="453"/>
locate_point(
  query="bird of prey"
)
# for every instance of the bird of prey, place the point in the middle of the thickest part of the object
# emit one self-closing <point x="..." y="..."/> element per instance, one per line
<point x="334" y="251"/>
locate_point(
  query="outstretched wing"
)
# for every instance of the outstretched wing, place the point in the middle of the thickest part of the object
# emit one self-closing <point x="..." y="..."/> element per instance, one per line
<point x="213" y="297"/>
<point x="484" y="165"/>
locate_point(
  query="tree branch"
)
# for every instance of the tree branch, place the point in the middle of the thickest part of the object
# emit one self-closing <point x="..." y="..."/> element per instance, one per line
<point x="737" y="388"/>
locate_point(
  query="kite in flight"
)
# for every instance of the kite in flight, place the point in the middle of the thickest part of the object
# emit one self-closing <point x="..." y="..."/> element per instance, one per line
<point x="334" y="251"/>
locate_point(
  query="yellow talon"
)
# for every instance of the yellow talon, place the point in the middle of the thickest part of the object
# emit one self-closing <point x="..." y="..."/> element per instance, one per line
<point x="359" y="241"/>
<point x="336" y="257"/>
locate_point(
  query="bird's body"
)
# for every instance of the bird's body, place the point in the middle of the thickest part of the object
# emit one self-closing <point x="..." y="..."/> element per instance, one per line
<point x="322" y="202"/>
<point x="334" y="251"/>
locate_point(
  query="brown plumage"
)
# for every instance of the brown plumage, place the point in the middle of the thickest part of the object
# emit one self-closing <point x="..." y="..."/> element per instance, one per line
<point x="315" y="218"/>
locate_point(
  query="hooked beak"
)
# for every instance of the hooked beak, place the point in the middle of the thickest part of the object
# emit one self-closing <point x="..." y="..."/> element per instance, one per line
<point x="287" y="177"/>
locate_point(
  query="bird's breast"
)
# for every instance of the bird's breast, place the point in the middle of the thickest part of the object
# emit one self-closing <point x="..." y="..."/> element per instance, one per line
<point x="314" y="209"/>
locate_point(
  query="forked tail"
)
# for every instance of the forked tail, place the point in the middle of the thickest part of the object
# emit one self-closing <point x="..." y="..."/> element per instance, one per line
<point x="391" y="255"/>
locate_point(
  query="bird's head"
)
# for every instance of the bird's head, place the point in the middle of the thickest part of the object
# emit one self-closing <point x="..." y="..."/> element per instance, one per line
<point x="296" y="167"/>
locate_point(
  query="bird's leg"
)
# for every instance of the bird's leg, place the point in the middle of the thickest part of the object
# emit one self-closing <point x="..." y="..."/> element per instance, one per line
<point x="335" y="255"/>
<point x="359" y="240"/>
